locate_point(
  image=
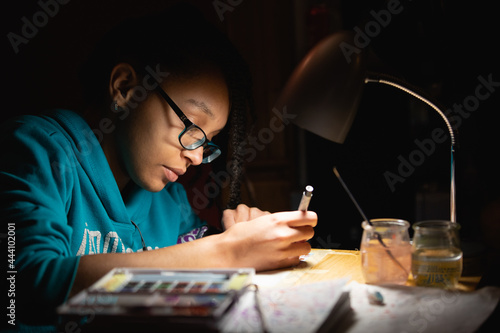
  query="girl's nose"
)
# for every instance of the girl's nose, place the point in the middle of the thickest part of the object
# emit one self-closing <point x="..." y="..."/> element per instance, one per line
<point x="195" y="155"/>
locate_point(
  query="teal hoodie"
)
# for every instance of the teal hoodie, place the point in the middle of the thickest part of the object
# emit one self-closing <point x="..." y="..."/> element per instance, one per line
<point x="58" y="192"/>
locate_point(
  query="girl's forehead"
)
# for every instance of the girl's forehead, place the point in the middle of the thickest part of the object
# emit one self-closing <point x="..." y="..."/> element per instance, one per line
<point x="207" y="92"/>
<point x="203" y="98"/>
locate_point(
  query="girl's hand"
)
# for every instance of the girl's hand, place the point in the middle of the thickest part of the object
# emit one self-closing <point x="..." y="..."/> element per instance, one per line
<point x="242" y="213"/>
<point x="270" y="241"/>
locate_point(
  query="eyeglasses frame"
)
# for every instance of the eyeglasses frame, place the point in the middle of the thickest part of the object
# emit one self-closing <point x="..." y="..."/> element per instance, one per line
<point x="188" y="124"/>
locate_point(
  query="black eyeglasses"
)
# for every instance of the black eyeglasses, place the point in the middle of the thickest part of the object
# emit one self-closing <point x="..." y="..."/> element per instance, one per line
<point x="192" y="137"/>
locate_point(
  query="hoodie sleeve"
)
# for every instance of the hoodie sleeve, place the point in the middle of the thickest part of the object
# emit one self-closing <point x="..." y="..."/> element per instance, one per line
<point x="35" y="193"/>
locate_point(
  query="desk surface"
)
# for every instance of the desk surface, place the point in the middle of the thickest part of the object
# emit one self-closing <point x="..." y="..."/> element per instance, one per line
<point x="403" y="309"/>
<point x="335" y="264"/>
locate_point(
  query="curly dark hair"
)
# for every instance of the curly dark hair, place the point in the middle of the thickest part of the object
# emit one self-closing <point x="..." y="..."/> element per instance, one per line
<point x="182" y="42"/>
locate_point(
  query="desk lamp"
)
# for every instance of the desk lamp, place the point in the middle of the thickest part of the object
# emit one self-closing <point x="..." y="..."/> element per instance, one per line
<point x="325" y="89"/>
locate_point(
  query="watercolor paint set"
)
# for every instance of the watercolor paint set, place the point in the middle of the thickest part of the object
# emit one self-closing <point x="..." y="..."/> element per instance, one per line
<point x="134" y="298"/>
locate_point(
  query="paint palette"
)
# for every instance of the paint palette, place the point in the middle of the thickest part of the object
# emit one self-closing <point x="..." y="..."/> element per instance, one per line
<point x="132" y="298"/>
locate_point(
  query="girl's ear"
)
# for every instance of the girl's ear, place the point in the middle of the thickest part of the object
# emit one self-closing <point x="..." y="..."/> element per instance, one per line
<point x="122" y="80"/>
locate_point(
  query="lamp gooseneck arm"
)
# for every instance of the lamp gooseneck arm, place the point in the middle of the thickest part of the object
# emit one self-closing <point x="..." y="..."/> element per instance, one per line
<point x="391" y="82"/>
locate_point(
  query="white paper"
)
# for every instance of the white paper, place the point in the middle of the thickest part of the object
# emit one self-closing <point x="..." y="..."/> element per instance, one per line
<point x="420" y="310"/>
<point x="298" y="309"/>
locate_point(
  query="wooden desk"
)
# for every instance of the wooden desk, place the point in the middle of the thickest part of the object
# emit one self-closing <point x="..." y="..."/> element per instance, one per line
<point x="335" y="264"/>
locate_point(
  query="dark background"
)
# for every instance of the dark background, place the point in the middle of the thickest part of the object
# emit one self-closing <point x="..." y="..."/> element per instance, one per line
<point x="440" y="46"/>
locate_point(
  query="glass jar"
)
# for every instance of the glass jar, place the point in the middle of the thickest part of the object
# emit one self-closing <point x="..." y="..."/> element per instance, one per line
<point x="385" y="251"/>
<point x="436" y="254"/>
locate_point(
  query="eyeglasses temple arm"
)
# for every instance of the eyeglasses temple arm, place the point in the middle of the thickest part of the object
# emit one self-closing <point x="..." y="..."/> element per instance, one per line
<point x="174" y="107"/>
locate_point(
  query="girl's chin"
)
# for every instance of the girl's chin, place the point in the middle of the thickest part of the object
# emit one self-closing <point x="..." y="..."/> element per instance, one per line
<point x="154" y="185"/>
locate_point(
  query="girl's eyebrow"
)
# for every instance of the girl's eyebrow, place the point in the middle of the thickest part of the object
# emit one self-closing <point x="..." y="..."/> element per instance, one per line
<point x="202" y="106"/>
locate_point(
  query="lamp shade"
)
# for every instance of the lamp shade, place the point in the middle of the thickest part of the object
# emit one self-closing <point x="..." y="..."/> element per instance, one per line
<point x="325" y="88"/>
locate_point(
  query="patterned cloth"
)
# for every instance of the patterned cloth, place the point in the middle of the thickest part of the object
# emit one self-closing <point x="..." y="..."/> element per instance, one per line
<point x="192" y="235"/>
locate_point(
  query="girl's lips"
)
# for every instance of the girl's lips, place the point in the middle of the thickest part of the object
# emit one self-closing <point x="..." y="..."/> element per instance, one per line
<point x="171" y="175"/>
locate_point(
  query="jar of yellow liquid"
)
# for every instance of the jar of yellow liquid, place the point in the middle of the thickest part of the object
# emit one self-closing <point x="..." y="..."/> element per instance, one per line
<point x="436" y="254"/>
